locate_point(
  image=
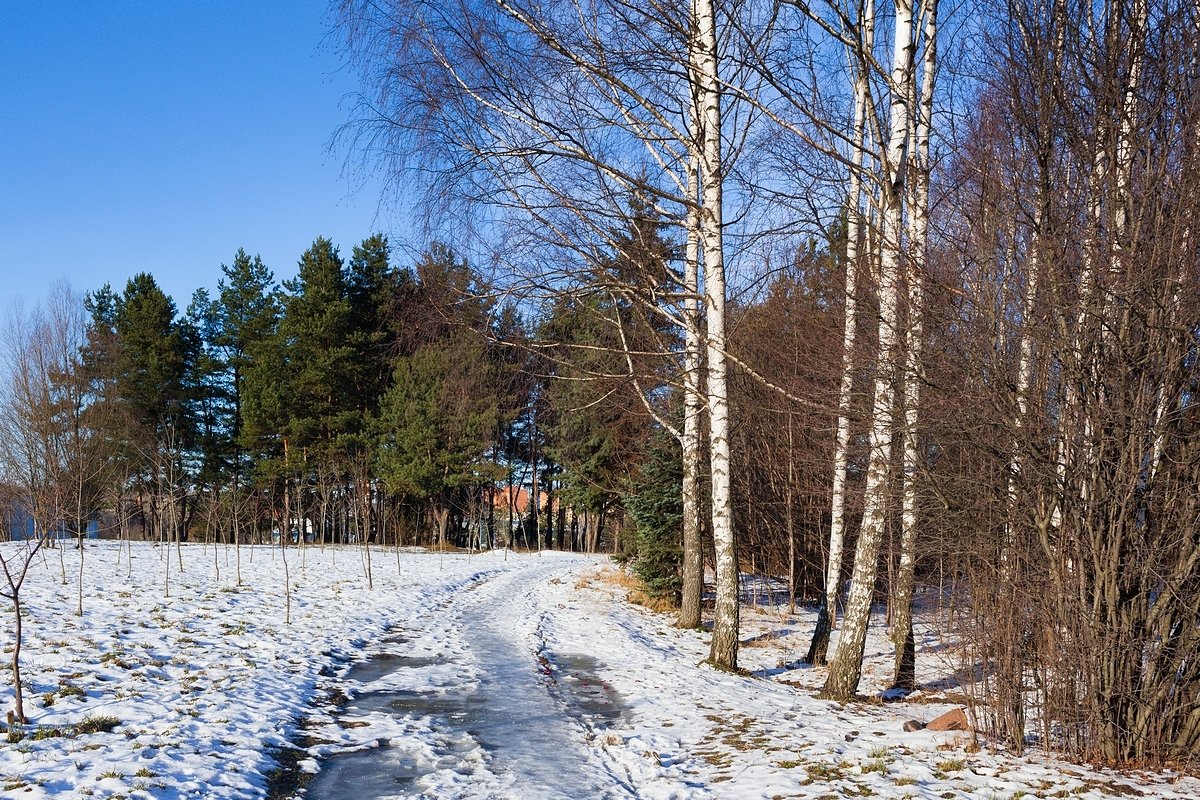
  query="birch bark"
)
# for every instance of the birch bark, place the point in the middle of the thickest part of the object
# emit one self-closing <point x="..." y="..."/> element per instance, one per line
<point x="827" y="612"/>
<point x="724" y="647"/>
<point x="693" y="562"/>
<point x="904" y="675"/>
<point x="846" y="669"/>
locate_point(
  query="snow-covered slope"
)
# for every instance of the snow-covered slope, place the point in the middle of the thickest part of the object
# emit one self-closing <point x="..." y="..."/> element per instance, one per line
<point x="493" y="677"/>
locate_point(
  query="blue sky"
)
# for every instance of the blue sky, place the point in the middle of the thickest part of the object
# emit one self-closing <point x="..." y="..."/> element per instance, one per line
<point x="162" y="135"/>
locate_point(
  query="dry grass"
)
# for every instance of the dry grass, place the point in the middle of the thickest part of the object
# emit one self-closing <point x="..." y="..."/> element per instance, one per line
<point x="616" y="577"/>
<point x="767" y="639"/>
<point x="661" y="605"/>
<point x="634" y="593"/>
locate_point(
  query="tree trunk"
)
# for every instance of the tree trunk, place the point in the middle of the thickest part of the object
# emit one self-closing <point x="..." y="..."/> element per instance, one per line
<point x="724" y="648"/>
<point x="692" y="578"/>
<point x="846" y="669"/>
<point x="18" y="692"/>
<point x="904" y="675"/>
<point x="827" y="612"/>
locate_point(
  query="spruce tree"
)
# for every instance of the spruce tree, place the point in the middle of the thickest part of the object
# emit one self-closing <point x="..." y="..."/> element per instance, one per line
<point x="656" y="506"/>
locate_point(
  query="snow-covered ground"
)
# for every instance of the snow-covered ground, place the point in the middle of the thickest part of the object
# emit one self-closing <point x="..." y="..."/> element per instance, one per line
<point x="456" y="677"/>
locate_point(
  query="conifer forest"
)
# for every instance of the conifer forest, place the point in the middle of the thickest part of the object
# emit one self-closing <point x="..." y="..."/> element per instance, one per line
<point x="892" y="306"/>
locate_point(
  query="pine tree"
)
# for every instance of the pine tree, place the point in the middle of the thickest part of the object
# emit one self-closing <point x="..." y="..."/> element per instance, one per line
<point x="152" y="355"/>
<point x="208" y="392"/>
<point x="373" y="291"/>
<point x="321" y="368"/>
<point x="246" y="318"/>
<point x="437" y="424"/>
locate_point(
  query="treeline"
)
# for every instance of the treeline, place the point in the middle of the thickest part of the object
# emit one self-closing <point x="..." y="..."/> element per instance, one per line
<point x="370" y="403"/>
<point x="358" y="402"/>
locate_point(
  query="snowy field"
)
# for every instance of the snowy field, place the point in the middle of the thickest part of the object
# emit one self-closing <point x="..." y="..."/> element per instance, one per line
<point x="456" y="677"/>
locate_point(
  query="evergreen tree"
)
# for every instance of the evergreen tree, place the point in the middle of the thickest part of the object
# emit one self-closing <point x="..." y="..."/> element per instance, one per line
<point x="437" y="424"/>
<point x="152" y="356"/>
<point x="656" y="506"/>
<point x="246" y="318"/>
<point x="209" y="393"/>
<point x="373" y="291"/>
<point x="319" y="356"/>
<point x="138" y="359"/>
<point x="439" y="420"/>
<point x="610" y="354"/>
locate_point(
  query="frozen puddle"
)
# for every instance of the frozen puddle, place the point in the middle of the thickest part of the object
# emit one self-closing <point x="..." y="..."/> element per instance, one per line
<point x="383" y="665"/>
<point x="509" y="735"/>
<point x="577" y="680"/>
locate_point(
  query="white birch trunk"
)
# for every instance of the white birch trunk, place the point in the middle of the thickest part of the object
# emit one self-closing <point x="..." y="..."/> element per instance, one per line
<point x="1024" y="381"/>
<point x="693" y="562"/>
<point x="724" y="647"/>
<point x="846" y="669"/>
<point x="904" y="676"/>
<point x="827" y="614"/>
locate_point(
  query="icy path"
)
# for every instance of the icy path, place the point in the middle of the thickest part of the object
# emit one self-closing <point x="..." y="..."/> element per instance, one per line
<point x="473" y="705"/>
<point x="544" y="745"/>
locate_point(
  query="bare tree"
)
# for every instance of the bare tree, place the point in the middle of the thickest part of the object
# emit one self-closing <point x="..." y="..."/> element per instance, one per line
<point x="15" y="561"/>
<point x="827" y="612"/>
<point x="552" y="121"/>
<point x="918" y="166"/>
<point x="846" y="669"/>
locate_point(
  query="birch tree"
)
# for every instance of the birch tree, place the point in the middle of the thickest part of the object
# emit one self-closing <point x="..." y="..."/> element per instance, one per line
<point x="548" y="120"/>
<point x="918" y="167"/>
<point x="827" y="611"/>
<point x="846" y="668"/>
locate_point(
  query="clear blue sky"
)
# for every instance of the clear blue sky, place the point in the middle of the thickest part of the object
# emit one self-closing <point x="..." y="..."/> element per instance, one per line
<point x="162" y="135"/>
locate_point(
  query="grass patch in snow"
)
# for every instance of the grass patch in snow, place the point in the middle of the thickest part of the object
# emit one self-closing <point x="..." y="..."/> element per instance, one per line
<point x="97" y="723"/>
<point x="823" y="772"/>
<point x="116" y="658"/>
<point x="48" y="732"/>
<point x="635" y="592"/>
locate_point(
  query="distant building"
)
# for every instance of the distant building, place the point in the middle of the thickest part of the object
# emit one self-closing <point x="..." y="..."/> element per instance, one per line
<point x="517" y="499"/>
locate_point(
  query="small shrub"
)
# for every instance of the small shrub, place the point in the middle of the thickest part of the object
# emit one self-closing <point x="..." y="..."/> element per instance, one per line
<point x="38" y="734"/>
<point x="97" y="723"/>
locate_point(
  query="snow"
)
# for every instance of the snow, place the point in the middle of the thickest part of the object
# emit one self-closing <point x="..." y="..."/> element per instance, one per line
<point x="461" y="677"/>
